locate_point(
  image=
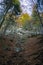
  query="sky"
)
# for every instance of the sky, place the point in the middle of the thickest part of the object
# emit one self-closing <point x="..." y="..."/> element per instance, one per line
<point x="26" y="6"/>
<point x="1" y="7"/>
<point x="1" y="1"/>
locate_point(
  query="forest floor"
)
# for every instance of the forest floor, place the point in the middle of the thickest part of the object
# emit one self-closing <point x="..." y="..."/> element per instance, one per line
<point x="31" y="55"/>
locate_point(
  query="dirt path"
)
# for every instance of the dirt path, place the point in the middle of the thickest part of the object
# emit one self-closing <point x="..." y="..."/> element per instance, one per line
<point x="31" y="55"/>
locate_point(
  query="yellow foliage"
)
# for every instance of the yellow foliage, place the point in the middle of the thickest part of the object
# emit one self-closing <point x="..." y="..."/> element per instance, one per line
<point x="23" y="18"/>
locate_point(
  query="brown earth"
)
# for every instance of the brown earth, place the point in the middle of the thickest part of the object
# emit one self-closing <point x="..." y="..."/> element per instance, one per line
<point x="31" y="55"/>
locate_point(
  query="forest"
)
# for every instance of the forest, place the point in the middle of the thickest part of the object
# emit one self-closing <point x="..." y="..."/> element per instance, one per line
<point x="21" y="32"/>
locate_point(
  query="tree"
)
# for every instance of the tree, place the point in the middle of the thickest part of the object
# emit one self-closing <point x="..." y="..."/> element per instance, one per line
<point x="17" y="8"/>
<point x="38" y="10"/>
<point x="22" y="19"/>
<point x="36" y="15"/>
<point x="9" y="4"/>
<point x="9" y="18"/>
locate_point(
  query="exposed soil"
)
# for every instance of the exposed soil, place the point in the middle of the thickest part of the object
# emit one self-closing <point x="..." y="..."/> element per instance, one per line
<point x="31" y="55"/>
